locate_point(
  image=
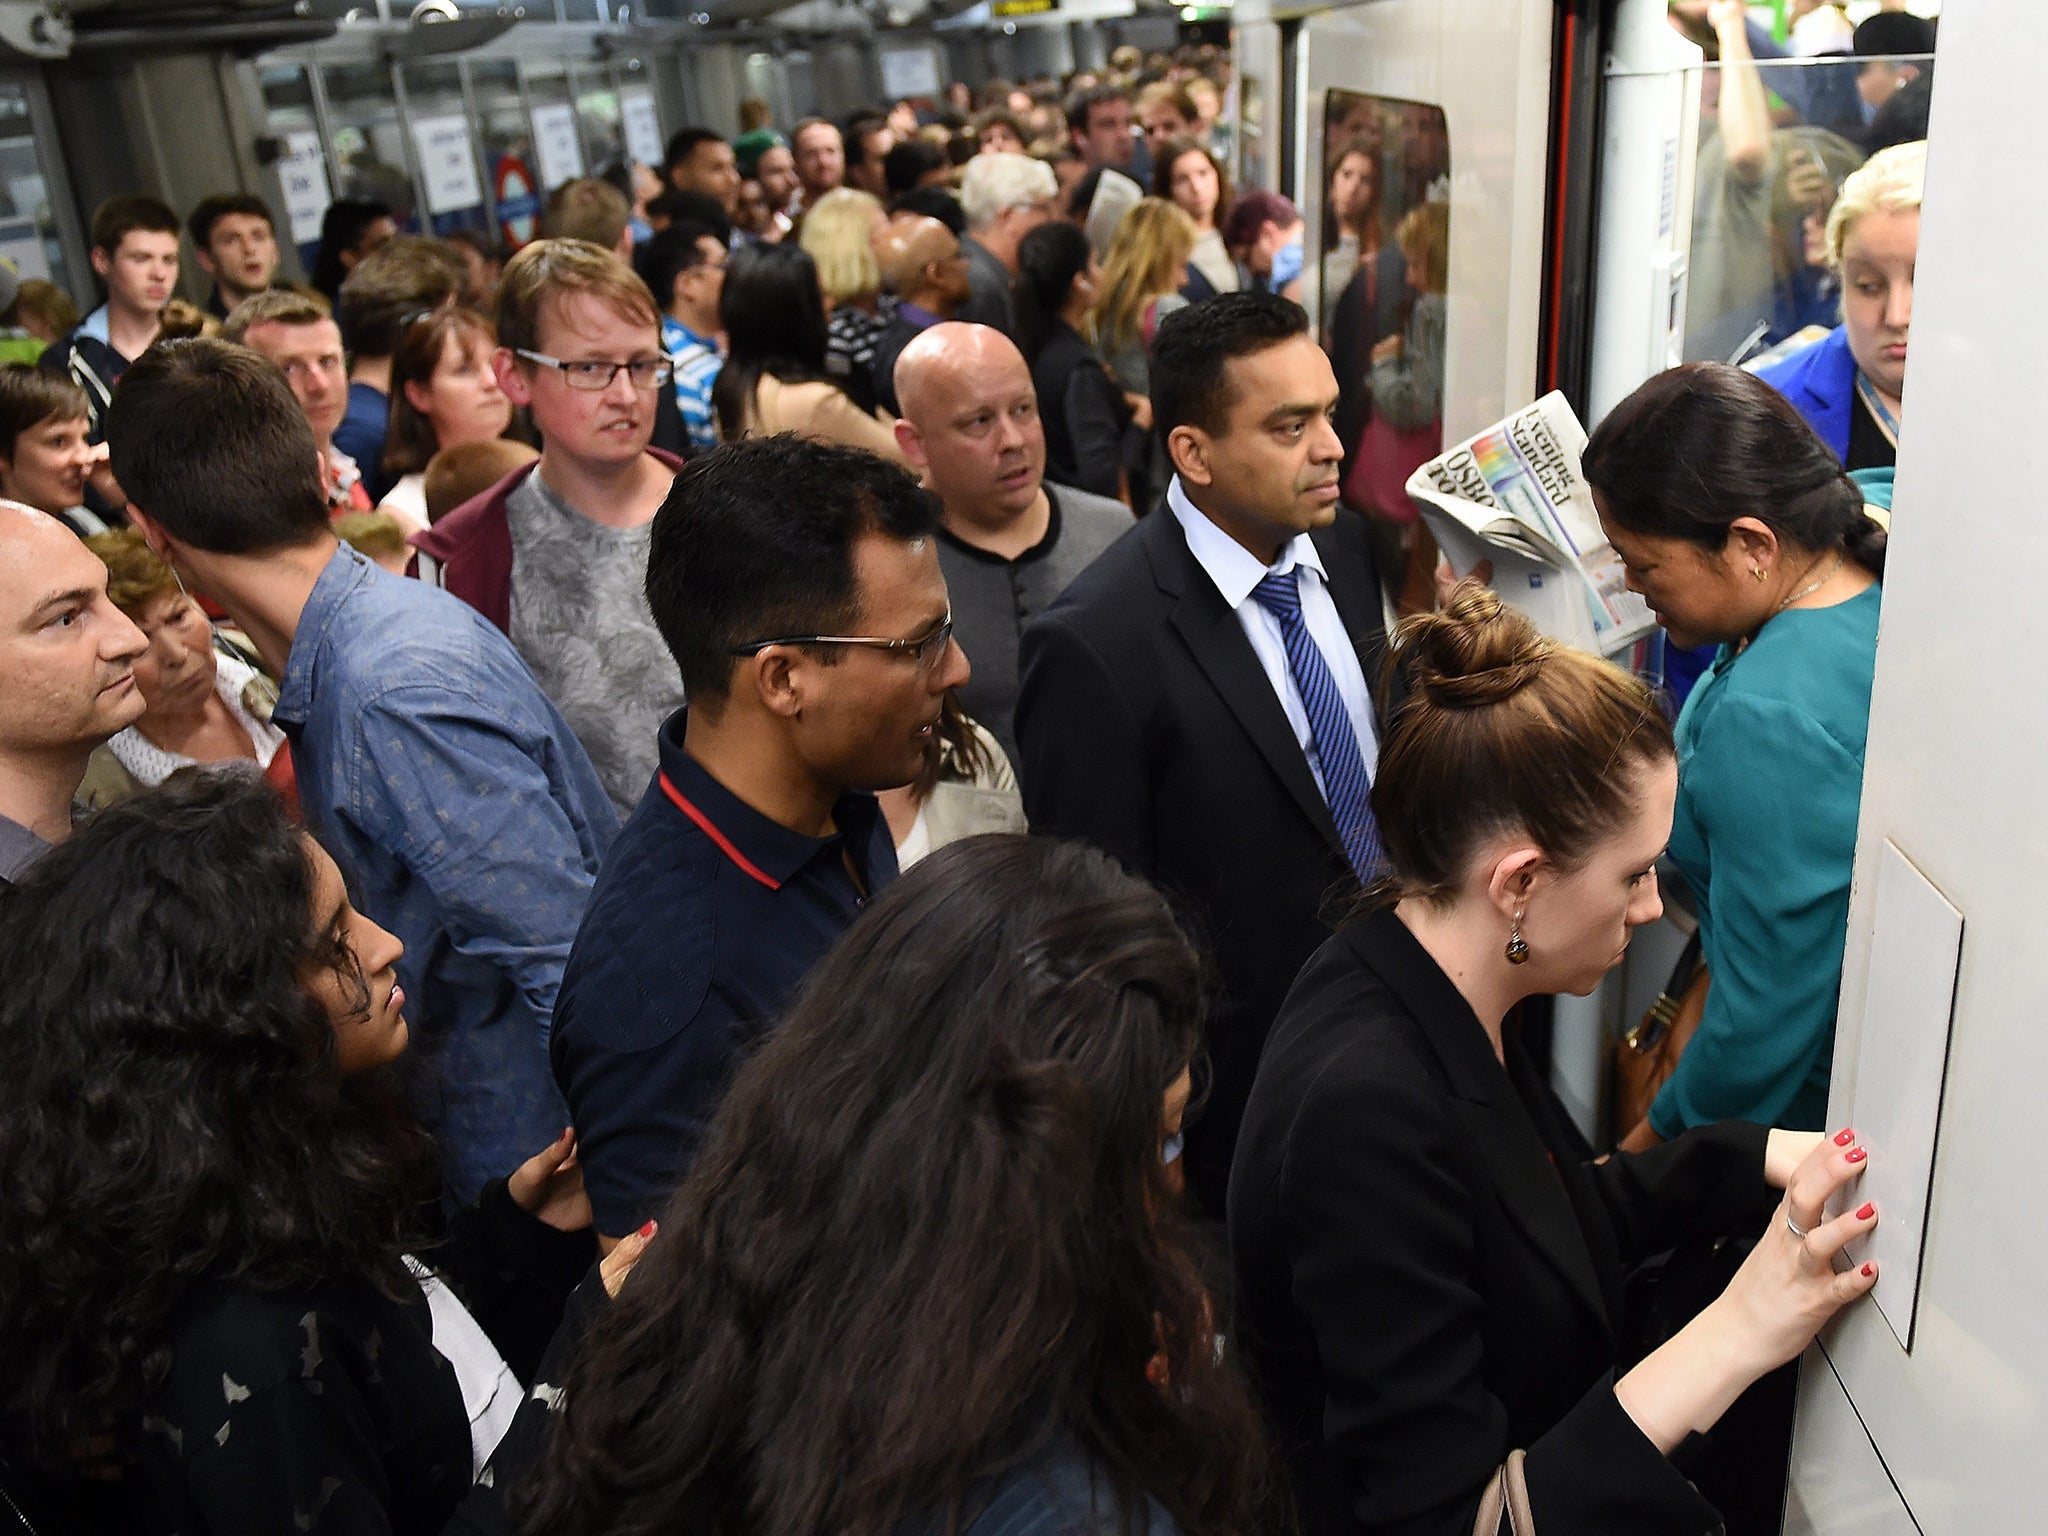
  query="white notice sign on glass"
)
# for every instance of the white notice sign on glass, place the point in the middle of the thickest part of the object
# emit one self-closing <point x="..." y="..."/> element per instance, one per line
<point x="555" y="145"/>
<point x="909" y="72"/>
<point x="643" y="126"/>
<point x="446" y="164"/>
<point x="303" y="172"/>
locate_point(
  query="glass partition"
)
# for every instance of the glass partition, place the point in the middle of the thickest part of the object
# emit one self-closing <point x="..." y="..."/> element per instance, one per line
<point x="28" y="233"/>
<point x="557" y="146"/>
<point x="1383" y="270"/>
<point x="508" y="148"/>
<point x="599" y="116"/>
<point x="302" y="169"/>
<point x="368" y="146"/>
<point x="444" y="143"/>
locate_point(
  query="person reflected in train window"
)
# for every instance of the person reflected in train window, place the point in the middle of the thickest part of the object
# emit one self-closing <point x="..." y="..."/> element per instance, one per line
<point x="555" y="555"/>
<point x="759" y="839"/>
<point x="820" y="159"/>
<point x="204" y="702"/>
<point x="234" y="240"/>
<point x="396" y="284"/>
<point x="135" y="257"/>
<point x="998" y="1321"/>
<point x="1353" y="216"/>
<point x="589" y="208"/>
<point x="1851" y="385"/>
<point x="1087" y="419"/>
<point x="926" y="266"/>
<point x="296" y="332"/>
<point x="685" y="268"/>
<point x="1005" y="196"/>
<point x="422" y="746"/>
<point x="1741" y="529"/>
<point x="286" y="1334"/>
<point x="868" y="138"/>
<point x="67" y="679"/>
<point x="700" y="160"/>
<point x="1883" y="44"/>
<point x="47" y="456"/>
<point x="1197" y="703"/>
<point x="1009" y="540"/>
<point x="1264" y="233"/>
<point x="444" y="391"/>
<point x="1429" y="1260"/>
<point x="351" y="229"/>
<point x="1099" y="123"/>
<point x="843" y="234"/>
<point x="1190" y="174"/>
<point x="775" y="379"/>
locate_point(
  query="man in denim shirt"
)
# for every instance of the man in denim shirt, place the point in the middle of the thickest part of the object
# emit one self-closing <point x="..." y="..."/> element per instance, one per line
<point x="453" y="795"/>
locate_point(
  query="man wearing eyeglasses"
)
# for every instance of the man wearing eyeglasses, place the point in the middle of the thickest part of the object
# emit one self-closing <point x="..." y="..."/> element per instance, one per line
<point x="555" y="554"/>
<point x="798" y="584"/>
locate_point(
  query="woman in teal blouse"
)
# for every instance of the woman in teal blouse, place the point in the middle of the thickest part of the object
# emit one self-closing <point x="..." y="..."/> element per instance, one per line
<point x="1740" y="528"/>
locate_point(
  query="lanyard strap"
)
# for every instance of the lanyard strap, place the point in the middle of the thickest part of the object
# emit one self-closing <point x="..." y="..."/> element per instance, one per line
<point x="1887" y="423"/>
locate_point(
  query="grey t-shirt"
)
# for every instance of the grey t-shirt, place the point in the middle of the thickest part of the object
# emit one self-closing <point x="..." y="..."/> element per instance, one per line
<point x="581" y="621"/>
<point x="993" y="598"/>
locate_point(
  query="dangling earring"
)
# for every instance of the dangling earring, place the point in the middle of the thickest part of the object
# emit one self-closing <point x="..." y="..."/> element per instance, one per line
<point x="1757" y="571"/>
<point x="1518" y="948"/>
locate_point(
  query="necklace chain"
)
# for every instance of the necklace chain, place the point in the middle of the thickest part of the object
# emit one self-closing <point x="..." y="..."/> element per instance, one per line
<point x="1812" y="587"/>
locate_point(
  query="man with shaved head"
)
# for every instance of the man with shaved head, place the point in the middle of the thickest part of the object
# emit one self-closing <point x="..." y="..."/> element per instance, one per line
<point x="67" y="678"/>
<point x="924" y="265"/>
<point x="1009" y="542"/>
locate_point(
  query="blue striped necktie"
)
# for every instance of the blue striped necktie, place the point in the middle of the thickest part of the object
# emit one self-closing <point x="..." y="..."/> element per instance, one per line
<point x="1346" y="785"/>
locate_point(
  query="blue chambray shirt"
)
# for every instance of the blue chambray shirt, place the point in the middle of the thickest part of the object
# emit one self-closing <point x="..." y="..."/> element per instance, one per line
<point x="467" y="820"/>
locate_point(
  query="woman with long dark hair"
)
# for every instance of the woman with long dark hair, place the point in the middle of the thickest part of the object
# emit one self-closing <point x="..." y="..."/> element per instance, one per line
<point x="774" y="378"/>
<point x="1743" y="531"/>
<point x="1086" y="417"/>
<point x="206" y="1257"/>
<point x="1192" y="177"/>
<point x="929" y="1271"/>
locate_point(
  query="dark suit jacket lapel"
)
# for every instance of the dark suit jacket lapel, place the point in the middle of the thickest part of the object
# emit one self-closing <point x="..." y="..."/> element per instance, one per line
<point x="1513" y="1153"/>
<point x="1216" y="639"/>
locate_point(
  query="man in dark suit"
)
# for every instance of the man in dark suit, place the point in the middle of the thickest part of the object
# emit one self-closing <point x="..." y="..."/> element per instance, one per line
<point x="1199" y="701"/>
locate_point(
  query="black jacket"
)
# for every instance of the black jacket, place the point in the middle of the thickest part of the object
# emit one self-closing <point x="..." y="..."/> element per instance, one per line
<point x="1086" y="416"/>
<point x="93" y="366"/>
<point x="1429" y="1265"/>
<point x="1148" y="727"/>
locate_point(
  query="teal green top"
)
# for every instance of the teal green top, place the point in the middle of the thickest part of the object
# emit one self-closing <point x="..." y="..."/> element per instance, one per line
<point x="1770" y="776"/>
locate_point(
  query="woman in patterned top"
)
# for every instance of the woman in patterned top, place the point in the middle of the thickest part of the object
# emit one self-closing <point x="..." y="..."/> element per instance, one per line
<point x="206" y="1260"/>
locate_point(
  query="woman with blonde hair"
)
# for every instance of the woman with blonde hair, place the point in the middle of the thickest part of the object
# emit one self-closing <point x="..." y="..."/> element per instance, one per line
<point x="1141" y="283"/>
<point x="840" y="235"/>
<point x="1850" y="385"/>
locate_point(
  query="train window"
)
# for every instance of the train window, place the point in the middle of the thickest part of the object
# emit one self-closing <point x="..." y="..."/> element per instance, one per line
<point x="302" y="168"/>
<point x="558" y="149"/>
<point x="28" y="233"/>
<point x="439" y="109"/>
<point x="369" y="141"/>
<point x="599" y="116"/>
<point x="508" y="148"/>
<point x="1777" y="140"/>
<point x="1383" y="274"/>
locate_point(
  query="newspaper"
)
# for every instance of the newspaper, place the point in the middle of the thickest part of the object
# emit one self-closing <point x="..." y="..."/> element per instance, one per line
<point x="1513" y="495"/>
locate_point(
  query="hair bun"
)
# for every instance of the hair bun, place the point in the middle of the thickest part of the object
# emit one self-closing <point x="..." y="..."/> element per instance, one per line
<point x="1472" y="652"/>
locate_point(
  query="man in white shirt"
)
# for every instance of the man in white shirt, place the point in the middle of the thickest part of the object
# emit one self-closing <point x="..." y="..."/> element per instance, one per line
<point x="1198" y="700"/>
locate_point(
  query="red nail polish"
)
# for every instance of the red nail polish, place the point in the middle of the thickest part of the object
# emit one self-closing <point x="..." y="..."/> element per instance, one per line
<point x="648" y="1230"/>
<point x="1869" y="1270"/>
<point x="1856" y="1156"/>
<point x="1867" y="1212"/>
<point x="1844" y="1136"/>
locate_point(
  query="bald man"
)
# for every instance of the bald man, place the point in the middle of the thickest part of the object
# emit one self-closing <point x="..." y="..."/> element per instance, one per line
<point x="67" y="678"/>
<point x="924" y="266"/>
<point x="1008" y="542"/>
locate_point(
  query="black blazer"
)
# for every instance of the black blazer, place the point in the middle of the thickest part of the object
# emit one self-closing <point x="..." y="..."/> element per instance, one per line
<point x="1086" y="417"/>
<point x="1429" y="1264"/>
<point x="1148" y="727"/>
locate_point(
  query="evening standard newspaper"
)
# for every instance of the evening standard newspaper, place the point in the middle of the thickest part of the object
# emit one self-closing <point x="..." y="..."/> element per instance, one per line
<point x="1514" y="495"/>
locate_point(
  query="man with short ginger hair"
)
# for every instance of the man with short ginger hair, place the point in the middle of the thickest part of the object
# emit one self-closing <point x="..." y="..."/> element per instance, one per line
<point x="1009" y="542"/>
<point x="555" y="554"/>
<point x="67" y="678"/>
<point x="296" y="332"/>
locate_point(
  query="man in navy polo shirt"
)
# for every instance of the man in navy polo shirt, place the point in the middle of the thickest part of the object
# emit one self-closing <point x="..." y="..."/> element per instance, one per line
<point x="797" y="584"/>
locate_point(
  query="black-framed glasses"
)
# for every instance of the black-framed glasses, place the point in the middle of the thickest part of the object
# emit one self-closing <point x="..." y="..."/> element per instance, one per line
<point x="927" y="647"/>
<point x="645" y="372"/>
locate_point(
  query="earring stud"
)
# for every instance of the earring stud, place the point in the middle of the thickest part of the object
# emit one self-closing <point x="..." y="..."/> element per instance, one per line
<point x="1518" y="948"/>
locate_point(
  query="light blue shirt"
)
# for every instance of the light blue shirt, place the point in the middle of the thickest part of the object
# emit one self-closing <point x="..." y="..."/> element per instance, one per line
<point x="1236" y="570"/>
<point x="697" y="361"/>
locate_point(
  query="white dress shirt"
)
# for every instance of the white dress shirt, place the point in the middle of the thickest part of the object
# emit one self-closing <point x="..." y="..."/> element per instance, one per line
<point x="1236" y="570"/>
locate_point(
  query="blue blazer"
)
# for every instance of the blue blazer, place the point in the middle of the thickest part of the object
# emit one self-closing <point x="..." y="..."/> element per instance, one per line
<point x="1820" y="381"/>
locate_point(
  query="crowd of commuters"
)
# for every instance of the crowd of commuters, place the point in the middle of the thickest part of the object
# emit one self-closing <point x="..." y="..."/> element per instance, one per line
<point x="778" y="865"/>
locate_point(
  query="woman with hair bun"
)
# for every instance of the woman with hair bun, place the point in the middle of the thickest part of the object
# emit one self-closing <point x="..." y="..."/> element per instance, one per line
<point x="1428" y="1258"/>
<point x="1743" y="531"/>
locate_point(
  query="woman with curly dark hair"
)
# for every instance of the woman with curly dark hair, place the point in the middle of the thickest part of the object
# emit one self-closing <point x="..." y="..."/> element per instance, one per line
<point x="205" y="1258"/>
<point x="929" y="1271"/>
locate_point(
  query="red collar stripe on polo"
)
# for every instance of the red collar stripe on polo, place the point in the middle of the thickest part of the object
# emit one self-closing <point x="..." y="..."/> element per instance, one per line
<point x="725" y="844"/>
